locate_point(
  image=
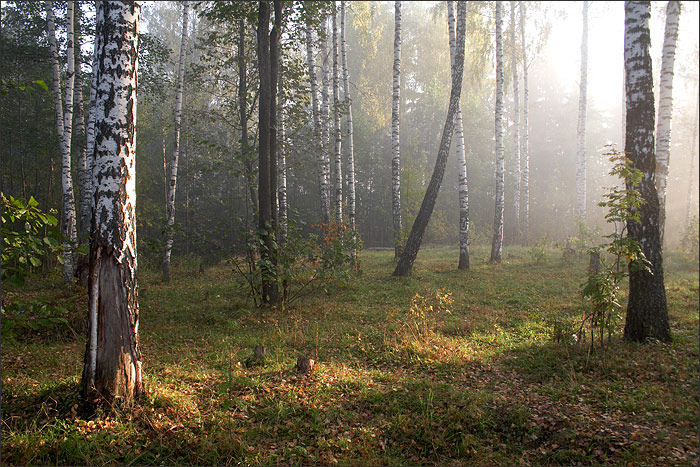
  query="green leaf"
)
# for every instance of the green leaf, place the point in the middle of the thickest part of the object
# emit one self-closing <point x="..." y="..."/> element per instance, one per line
<point x="41" y="84"/>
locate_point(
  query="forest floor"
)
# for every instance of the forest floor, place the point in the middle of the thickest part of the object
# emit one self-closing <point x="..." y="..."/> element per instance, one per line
<point x="499" y="379"/>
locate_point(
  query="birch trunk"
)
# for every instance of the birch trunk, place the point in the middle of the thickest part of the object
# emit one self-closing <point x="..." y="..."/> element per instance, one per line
<point x="350" y="144"/>
<point x="64" y="125"/>
<point x="525" y="149"/>
<point x="90" y="146"/>
<point x="325" y="116"/>
<point x="692" y="173"/>
<point x="663" y="124"/>
<point x="408" y="256"/>
<point x="461" y="158"/>
<point x="315" y="113"/>
<point x="395" y="142"/>
<point x="516" y="125"/>
<point x="282" y="171"/>
<point x="113" y="357"/>
<point x="336" y="127"/>
<point x="84" y="174"/>
<point x="497" y="242"/>
<point x="170" y="233"/>
<point x="647" y="314"/>
<point x="581" y="128"/>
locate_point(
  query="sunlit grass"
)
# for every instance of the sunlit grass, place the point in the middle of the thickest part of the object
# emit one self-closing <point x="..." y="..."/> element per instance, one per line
<point x="495" y="379"/>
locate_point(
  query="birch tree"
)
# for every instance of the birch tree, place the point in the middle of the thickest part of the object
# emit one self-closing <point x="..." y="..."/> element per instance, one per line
<point x="581" y="128"/>
<point x="349" y="141"/>
<point x="317" y="132"/>
<point x="692" y="173"/>
<point x="516" y="124"/>
<point x="113" y="357"/>
<point x="497" y="242"/>
<point x="336" y="126"/>
<point x="325" y="117"/>
<point x="663" y="123"/>
<point x="84" y="175"/>
<point x="64" y="126"/>
<point x="282" y="173"/>
<point x="395" y="143"/>
<point x="461" y="158"/>
<point x="647" y="314"/>
<point x="170" y="232"/>
<point x="243" y="115"/>
<point x="525" y="148"/>
<point x="410" y="251"/>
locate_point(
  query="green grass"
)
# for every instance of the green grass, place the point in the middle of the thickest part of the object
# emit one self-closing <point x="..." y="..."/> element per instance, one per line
<point x="497" y="380"/>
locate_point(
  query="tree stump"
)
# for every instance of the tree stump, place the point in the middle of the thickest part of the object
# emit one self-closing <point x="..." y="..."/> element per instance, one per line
<point x="260" y="352"/>
<point x="594" y="266"/>
<point x="305" y="364"/>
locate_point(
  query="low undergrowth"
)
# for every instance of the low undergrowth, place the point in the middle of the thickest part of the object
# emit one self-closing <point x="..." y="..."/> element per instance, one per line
<point x="446" y="367"/>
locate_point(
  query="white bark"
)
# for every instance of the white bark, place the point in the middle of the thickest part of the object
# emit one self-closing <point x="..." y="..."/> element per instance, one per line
<point x="112" y="364"/>
<point x="349" y="141"/>
<point x="315" y="113"/>
<point x="497" y="243"/>
<point x="581" y="128"/>
<point x="336" y="127"/>
<point x="176" y="151"/>
<point x="663" y="122"/>
<point x="282" y="169"/>
<point x="325" y="114"/>
<point x="516" y="125"/>
<point x="395" y="142"/>
<point x="461" y="157"/>
<point x="692" y="173"/>
<point x="84" y="172"/>
<point x="64" y="120"/>
<point x="525" y="148"/>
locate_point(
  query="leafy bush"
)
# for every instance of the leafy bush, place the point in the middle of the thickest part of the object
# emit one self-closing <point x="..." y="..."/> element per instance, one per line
<point x="28" y="234"/>
<point x="304" y="264"/>
<point x="34" y="318"/>
<point x="537" y="252"/>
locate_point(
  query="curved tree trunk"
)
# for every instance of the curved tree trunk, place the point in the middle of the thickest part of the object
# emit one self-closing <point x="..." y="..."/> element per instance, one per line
<point x="497" y="242"/>
<point x="516" y="126"/>
<point x="663" y="124"/>
<point x="461" y="159"/>
<point x="315" y="113"/>
<point x="350" y="144"/>
<point x="113" y="357"/>
<point x="525" y="149"/>
<point x="581" y="128"/>
<point x="408" y="256"/>
<point x="64" y="121"/>
<point x="337" y="135"/>
<point x="395" y="142"/>
<point x="647" y="315"/>
<point x="170" y="234"/>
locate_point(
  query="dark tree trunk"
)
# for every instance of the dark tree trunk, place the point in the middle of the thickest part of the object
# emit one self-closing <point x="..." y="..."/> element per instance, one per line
<point x="113" y="357"/>
<point x="410" y="251"/>
<point x="270" y="293"/>
<point x="647" y="315"/>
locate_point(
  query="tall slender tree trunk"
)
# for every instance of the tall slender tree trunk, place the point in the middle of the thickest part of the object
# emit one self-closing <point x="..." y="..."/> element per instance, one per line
<point x="581" y="128"/>
<point x="408" y="256"/>
<point x="350" y="144"/>
<point x="525" y="148"/>
<point x="170" y="232"/>
<point x="267" y="168"/>
<point x="647" y="315"/>
<point x="64" y="120"/>
<point x="461" y="158"/>
<point x="246" y="154"/>
<point x="84" y="173"/>
<point x="497" y="242"/>
<point x="693" y="152"/>
<point x="318" y="143"/>
<point x="113" y="357"/>
<point x="336" y="127"/>
<point x="663" y="124"/>
<point x="325" y="116"/>
<point x="516" y="125"/>
<point x="395" y="141"/>
<point x="282" y="174"/>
